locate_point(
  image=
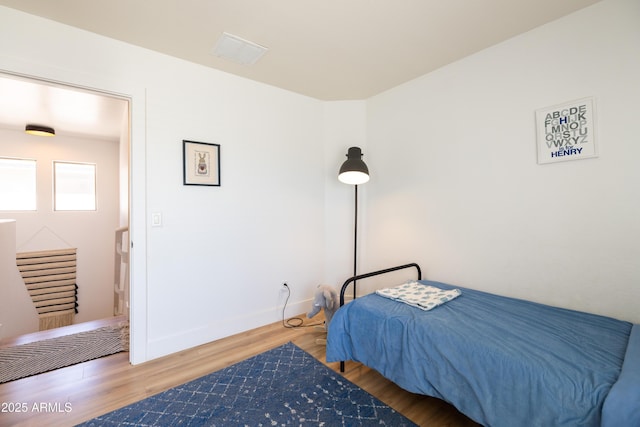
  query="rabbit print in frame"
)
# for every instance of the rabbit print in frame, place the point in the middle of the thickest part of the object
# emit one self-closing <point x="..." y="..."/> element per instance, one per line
<point x="201" y="163"/>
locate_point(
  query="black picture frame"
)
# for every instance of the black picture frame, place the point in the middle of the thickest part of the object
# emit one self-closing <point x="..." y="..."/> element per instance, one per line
<point x="201" y="163"/>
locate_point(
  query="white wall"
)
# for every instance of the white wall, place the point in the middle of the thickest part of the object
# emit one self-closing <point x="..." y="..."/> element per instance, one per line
<point x="216" y="265"/>
<point x="17" y="313"/>
<point x="91" y="232"/>
<point x="457" y="187"/>
<point x="123" y="178"/>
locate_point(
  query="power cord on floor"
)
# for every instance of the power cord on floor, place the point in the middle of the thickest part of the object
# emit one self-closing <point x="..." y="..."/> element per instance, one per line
<point x="294" y="322"/>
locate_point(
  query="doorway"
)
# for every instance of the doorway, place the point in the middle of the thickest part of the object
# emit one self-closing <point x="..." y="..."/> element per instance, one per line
<point x="91" y="127"/>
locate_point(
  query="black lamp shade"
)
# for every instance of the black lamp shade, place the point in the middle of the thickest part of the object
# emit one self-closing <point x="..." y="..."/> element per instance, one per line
<point x="354" y="171"/>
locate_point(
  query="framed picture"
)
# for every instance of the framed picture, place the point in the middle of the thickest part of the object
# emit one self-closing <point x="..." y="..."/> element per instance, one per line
<point x="201" y="163"/>
<point x="566" y="131"/>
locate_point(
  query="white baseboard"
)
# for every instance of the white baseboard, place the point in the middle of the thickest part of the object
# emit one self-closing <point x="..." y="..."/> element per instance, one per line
<point x="222" y="329"/>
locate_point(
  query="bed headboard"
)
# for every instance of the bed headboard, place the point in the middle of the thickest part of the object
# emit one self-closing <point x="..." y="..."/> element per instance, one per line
<point x="354" y="279"/>
<point x="366" y="275"/>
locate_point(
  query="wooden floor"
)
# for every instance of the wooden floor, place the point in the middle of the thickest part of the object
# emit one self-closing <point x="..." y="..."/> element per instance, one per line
<point x="71" y="395"/>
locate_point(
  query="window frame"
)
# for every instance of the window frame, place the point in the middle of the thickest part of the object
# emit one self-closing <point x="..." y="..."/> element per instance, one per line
<point x="35" y="184"/>
<point x="55" y="180"/>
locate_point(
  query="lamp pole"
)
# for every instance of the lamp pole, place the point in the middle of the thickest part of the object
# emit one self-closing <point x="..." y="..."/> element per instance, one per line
<point x="355" y="239"/>
<point x="354" y="171"/>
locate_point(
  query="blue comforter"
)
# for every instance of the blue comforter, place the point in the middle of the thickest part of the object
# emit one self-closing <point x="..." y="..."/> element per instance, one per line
<point x="500" y="361"/>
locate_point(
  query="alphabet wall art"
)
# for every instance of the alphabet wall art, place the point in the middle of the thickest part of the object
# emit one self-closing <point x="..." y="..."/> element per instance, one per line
<point x="566" y="131"/>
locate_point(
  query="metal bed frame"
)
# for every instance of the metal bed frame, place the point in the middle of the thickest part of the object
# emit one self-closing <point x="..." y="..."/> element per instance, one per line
<point x="354" y="279"/>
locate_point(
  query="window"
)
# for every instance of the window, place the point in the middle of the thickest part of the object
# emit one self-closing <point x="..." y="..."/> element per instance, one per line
<point x="74" y="186"/>
<point x="17" y="185"/>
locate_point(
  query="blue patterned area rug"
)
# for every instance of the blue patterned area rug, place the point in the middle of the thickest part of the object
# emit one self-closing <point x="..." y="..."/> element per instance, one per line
<point x="282" y="387"/>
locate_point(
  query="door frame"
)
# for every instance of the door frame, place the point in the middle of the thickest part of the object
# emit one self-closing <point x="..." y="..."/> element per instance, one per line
<point x="136" y="97"/>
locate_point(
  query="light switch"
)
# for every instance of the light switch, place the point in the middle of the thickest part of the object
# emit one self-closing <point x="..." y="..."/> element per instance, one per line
<point x="156" y="219"/>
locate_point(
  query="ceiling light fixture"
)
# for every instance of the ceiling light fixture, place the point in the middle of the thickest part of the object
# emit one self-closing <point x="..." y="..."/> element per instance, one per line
<point x="39" y="130"/>
<point x="238" y="49"/>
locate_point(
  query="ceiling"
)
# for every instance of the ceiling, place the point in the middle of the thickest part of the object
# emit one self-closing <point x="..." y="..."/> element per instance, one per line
<point x="69" y="111"/>
<point x="325" y="49"/>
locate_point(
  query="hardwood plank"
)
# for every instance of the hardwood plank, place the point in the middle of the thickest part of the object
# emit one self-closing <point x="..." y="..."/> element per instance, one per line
<point x="74" y="394"/>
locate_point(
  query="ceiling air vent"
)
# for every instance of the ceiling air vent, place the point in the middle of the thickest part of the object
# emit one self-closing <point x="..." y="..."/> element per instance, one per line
<point x="238" y="49"/>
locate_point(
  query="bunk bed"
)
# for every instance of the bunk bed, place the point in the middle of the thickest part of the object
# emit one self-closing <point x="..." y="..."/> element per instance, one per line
<point x="501" y="361"/>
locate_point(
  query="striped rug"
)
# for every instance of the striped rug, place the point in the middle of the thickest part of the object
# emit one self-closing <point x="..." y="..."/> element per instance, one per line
<point x="41" y="356"/>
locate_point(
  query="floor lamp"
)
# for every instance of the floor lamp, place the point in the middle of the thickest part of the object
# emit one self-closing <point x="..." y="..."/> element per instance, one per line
<point x="354" y="171"/>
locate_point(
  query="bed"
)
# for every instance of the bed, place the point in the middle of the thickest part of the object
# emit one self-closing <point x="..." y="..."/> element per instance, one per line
<point x="500" y="361"/>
